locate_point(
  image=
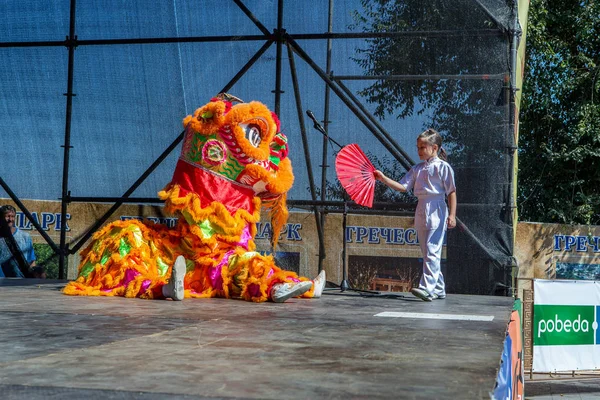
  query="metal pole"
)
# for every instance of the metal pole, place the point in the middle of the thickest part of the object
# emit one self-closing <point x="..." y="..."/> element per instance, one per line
<point x="324" y="164"/>
<point x="266" y="36"/>
<point x="418" y="77"/>
<point x="71" y="43"/>
<point x="344" y="285"/>
<point x="514" y="45"/>
<point x="279" y="34"/>
<point x="97" y="199"/>
<point x="307" y="159"/>
<point x="399" y="34"/>
<point x="513" y="135"/>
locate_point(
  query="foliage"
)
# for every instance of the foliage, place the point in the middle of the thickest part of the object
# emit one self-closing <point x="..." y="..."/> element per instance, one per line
<point x="559" y="165"/>
<point x="418" y="55"/>
<point x="361" y="275"/>
<point x="47" y="259"/>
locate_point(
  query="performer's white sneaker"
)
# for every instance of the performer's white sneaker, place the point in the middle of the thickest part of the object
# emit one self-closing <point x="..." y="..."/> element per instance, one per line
<point x="319" y="283"/>
<point x="174" y="288"/>
<point x="283" y="291"/>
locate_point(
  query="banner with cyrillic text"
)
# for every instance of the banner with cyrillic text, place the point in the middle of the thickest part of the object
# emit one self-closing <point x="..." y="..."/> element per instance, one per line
<point x="565" y="325"/>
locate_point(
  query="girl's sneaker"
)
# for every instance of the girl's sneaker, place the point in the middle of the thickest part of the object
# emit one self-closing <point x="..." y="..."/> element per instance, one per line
<point x="422" y="294"/>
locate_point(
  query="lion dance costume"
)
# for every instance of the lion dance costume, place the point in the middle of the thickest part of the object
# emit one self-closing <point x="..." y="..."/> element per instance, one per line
<point x="233" y="162"/>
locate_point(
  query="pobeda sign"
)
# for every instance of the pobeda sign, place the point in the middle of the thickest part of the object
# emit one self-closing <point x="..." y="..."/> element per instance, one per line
<point x="565" y="325"/>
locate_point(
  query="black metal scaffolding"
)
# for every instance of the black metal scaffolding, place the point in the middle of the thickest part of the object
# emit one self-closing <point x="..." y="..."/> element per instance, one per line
<point x="333" y="83"/>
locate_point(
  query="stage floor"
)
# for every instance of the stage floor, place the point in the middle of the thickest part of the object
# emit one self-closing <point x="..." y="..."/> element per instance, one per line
<point x="54" y="346"/>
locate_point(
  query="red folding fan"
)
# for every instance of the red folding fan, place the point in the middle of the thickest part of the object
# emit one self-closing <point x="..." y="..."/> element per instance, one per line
<point x="355" y="172"/>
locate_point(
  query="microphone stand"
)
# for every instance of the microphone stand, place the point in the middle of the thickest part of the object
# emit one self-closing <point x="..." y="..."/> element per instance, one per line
<point x="344" y="285"/>
<point x="320" y="128"/>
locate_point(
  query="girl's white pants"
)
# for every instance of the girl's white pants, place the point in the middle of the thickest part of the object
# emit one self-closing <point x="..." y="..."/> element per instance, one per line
<point x="430" y="221"/>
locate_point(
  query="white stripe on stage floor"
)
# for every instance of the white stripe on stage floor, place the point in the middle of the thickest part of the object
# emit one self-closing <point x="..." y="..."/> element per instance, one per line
<point x="456" y="317"/>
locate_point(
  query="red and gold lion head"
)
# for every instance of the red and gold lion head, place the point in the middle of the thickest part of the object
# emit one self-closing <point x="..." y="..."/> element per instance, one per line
<point x="241" y="142"/>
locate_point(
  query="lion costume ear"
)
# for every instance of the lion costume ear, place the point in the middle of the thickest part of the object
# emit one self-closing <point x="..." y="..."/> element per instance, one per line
<point x="279" y="150"/>
<point x="207" y="119"/>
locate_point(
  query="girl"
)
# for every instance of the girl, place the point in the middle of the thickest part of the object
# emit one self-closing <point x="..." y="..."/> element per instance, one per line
<point x="431" y="180"/>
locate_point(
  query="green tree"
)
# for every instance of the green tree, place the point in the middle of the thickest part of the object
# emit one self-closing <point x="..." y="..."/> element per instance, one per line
<point x="47" y="259"/>
<point x="559" y="165"/>
<point x="461" y="109"/>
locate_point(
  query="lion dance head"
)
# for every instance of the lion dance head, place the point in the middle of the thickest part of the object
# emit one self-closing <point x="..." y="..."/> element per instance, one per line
<point x="233" y="154"/>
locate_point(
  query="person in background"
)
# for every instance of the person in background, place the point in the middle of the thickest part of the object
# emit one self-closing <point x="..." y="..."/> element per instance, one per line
<point x="38" y="272"/>
<point x="16" y="250"/>
<point x="432" y="181"/>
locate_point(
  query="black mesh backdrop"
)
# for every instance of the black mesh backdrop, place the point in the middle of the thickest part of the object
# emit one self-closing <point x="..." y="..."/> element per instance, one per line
<point x="451" y="69"/>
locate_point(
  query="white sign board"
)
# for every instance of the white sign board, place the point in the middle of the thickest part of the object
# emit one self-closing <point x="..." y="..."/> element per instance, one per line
<point x="565" y="325"/>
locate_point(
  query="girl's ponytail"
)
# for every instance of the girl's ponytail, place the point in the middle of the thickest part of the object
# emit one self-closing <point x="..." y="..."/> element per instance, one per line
<point x="442" y="154"/>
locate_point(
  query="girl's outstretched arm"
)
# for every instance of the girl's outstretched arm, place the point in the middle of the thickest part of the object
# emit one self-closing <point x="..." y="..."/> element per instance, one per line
<point x="451" y="210"/>
<point x="392" y="184"/>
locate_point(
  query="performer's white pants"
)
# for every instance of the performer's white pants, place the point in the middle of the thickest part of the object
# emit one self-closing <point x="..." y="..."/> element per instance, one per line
<point x="430" y="221"/>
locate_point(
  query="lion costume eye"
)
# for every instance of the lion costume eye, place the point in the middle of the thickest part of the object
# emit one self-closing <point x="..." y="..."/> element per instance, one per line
<point x="252" y="133"/>
<point x="254" y="130"/>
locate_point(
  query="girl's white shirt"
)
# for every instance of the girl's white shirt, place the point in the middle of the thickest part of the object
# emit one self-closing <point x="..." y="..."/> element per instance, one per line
<point x="431" y="178"/>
